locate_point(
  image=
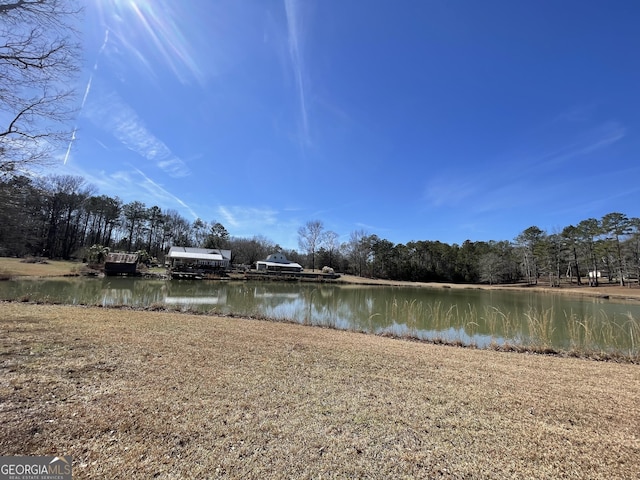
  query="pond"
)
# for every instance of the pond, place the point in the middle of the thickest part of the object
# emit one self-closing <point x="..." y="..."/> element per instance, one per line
<point x="466" y="316"/>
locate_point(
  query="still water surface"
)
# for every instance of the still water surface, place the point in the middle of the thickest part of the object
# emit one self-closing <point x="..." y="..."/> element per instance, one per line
<point x="468" y="316"/>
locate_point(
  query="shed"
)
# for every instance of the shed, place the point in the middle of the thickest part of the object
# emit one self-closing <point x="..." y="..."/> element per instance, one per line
<point x="121" y="264"/>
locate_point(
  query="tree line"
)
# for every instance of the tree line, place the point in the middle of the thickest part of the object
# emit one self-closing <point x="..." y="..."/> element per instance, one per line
<point x="593" y="251"/>
<point x="61" y="216"/>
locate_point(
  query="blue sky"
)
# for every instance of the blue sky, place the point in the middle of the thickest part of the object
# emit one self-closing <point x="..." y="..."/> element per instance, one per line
<point x="412" y="120"/>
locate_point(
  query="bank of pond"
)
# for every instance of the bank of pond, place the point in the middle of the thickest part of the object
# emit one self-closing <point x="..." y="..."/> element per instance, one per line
<point x="507" y="320"/>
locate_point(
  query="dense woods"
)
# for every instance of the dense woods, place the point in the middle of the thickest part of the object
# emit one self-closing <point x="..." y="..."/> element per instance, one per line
<point x="63" y="217"/>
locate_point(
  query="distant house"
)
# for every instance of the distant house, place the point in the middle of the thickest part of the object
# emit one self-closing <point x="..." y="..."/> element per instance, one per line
<point x="198" y="258"/>
<point x="121" y="264"/>
<point x="277" y="262"/>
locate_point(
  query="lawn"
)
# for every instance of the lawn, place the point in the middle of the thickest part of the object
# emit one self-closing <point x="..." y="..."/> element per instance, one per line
<point x="133" y="394"/>
<point x="14" y="267"/>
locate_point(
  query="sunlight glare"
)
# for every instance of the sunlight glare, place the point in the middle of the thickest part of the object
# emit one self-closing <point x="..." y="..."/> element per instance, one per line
<point x="154" y="28"/>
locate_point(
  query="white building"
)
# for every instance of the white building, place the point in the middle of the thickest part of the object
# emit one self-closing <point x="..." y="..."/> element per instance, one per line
<point x="277" y="262"/>
<point x="199" y="258"/>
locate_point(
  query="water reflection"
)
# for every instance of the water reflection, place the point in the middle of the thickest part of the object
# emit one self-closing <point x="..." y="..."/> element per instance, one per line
<point x="466" y="316"/>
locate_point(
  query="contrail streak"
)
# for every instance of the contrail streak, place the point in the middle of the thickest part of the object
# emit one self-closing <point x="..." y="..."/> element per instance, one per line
<point x="86" y="93"/>
<point x="104" y="43"/>
<point x="296" y="61"/>
<point x="73" y="137"/>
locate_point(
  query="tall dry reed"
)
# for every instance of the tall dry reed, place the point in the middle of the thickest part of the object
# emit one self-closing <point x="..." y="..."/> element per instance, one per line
<point x="535" y="330"/>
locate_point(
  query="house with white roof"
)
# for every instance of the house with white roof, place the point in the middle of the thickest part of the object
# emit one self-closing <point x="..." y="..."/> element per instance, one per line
<point x="198" y="258"/>
<point x="277" y="262"/>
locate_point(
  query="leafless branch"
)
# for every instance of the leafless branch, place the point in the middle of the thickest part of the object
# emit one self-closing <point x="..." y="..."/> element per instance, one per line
<point x="39" y="56"/>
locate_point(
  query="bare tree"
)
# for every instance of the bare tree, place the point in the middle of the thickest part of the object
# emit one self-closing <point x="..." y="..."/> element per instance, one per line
<point x="309" y="239"/>
<point x="39" y="57"/>
<point x="177" y="230"/>
<point x="490" y="266"/>
<point x="199" y="229"/>
<point x="357" y="251"/>
<point x="247" y="251"/>
<point x="330" y="241"/>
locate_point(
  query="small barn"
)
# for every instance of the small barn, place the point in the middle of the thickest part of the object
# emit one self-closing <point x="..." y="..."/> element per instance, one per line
<point x="121" y="264"/>
<point x="277" y="262"/>
<point x="201" y="259"/>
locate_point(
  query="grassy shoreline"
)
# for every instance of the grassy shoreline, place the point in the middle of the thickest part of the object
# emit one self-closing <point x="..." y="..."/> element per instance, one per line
<point x="140" y="394"/>
<point x="538" y="321"/>
<point x="539" y="347"/>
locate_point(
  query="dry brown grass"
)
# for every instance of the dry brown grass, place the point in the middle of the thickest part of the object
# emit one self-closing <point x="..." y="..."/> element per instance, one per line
<point x="134" y="394"/>
<point x="15" y="267"/>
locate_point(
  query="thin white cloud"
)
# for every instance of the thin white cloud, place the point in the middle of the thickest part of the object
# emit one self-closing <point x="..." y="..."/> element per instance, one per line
<point x="502" y="184"/>
<point x="161" y="193"/>
<point x="228" y="216"/>
<point x="580" y="114"/>
<point x="294" y="27"/>
<point x="131" y="185"/>
<point x="247" y="217"/>
<point x="243" y="221"/>
<point x="120" y="120"/>
<point x="367" y="227"/>
<point x="588" y="142"/>
<point x="450" y="189"/>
